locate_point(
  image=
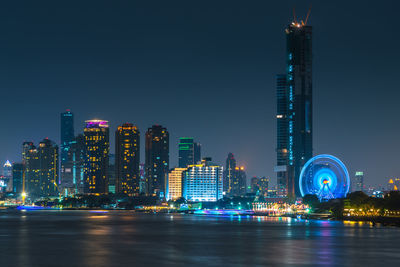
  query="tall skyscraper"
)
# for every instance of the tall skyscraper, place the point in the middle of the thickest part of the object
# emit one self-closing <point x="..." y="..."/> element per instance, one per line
<point x="17" y="176"/>
<point x="67" y="138"/>
<point x="298" y="115"/>
<point x="229" y="173"/>
<point x="197" y="153"/>
<point x="189" y="152"/>
<point x="203" y="182"/>
<point x="7" y="169"/>
<point x="7" y="173"/>
<point x="358" y="181"/>
<point x="174" y="183"/>
<point x="282" y="139"/>
<point x="157" y="159"/>
<point x="97" y="147"/>
<point x="72" y="168"/>
<point x="67" y="127"/>
<point x="127" y="159"/>
<point x="239" y="184"/>
<point x="48" y="168"/>
<point x="31" y="163"/>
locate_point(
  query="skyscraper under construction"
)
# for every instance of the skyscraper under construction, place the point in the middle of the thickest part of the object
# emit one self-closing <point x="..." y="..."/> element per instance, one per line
<point x="294" y="109"/>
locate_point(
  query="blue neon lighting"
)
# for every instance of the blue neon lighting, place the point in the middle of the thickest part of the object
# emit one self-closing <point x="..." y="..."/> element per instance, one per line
<point x="325" y="176"/>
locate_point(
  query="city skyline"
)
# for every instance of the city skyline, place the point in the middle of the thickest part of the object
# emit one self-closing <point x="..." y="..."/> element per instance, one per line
<point x="337" y="130"/>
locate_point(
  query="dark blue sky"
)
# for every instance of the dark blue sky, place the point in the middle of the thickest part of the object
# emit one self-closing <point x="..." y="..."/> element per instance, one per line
<point x="204" y="69"/>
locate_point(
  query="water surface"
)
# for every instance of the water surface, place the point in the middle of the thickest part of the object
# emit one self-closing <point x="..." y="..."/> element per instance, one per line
<point x="125" y="238"/>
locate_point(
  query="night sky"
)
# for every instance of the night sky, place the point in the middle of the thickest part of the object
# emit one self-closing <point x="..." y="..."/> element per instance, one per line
<point x="204" y="69"/>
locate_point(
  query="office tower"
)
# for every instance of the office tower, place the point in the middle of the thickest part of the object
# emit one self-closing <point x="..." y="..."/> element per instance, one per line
<point x="127" y="159"/>
<point x="17" y="177"/>
<point x="72" y="170"/>
<point x="189" y="152"/>
<point x="186" y="152"/>
<point x="359" y="181"/>
<point x="157" y="159"/>
<point x="7" y="173"/>
<point x="97" y="147"/>
<point x="203" y="182"/>
<point x="67" y="127"/>
<point x="31" y="171"/>
<point x="298" y="115"/>
<point x="48" y="168"/>
<point x="229" y="173"/>
<point x="7" y="169"/>
<point x="281" y="168"/>
<point x="238" y="182"/>
<point x="67" y="138"/>
<point x="174" y="183"/>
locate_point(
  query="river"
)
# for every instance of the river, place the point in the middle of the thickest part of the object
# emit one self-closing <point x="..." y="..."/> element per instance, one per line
<point x="126" y="238"/>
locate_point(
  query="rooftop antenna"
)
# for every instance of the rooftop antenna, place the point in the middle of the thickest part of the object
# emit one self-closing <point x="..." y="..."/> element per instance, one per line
<point x="294" y="15"/>
<point x="308" y="14"/>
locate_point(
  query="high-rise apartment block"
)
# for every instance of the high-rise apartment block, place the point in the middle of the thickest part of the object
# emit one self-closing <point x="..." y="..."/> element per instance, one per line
<point x="97" y="147"/>
<point x="127" y="159"/>
<point x="157" y="160"/>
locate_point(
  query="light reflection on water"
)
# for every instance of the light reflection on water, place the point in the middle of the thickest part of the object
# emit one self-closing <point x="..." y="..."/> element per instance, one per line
<point x="118" y="238"/>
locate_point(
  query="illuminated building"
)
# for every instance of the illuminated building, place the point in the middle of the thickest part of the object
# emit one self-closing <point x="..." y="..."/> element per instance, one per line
<point x="358" y="181"/>
<point x="67" y="138"/>
<point x="260" y="185"/>
<point x="32" y="170"/>
<point x="48" y="162"/>
<point x="234" y="178"/>
<point x="174" y="183"/>
<point x="7" y="173"/>
<point x="264" y="183"/>
<point x="189" y="152"/>
<point x="282" y="136"/>
<point x="298" y="114"/>
<point x="229" y="173"/>
<point x="127" y="159"/>
<point x="7" y="169"/>
<point x="26" y="146"/>
<point x="3" y="184"/>
<point x="142" y="181"/>
<point x="157" y="159"/>
<point x="17" y="177"/>
<point x="239" y="182"/>
<point x="203" y="182"/>
<point x="112" y="183"/>
<point x="72" y="169"/>
<point x="97" y="147"/>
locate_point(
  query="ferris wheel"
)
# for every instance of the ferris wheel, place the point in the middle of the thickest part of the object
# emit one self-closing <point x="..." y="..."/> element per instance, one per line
<point x="325" y="176"/>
